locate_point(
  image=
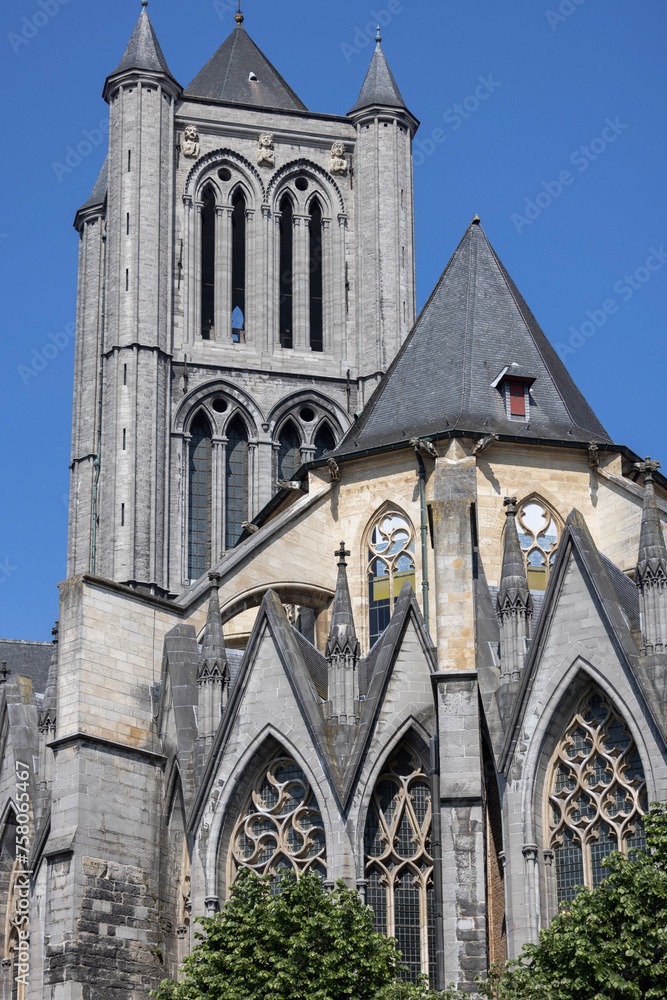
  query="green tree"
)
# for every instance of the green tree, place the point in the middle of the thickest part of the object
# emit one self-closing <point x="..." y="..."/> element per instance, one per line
<point x="610" y="943"/>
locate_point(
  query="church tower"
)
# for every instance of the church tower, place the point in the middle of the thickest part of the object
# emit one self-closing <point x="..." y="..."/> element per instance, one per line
<point x="246" y="275"/>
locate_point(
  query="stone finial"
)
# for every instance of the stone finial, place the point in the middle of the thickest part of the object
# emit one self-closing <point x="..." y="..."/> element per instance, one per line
<point x="648" y="467"/>
<point x="514" y="608"/>
<point x="266" y="156"/>
<point x="342" y="650"/>
<point x="190" y="147"/>
<point x="651" y="571"/>
<point x="511" y="504"/>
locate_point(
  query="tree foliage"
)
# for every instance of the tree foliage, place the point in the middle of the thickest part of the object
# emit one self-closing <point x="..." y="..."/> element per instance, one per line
<point x="610" y="943"/>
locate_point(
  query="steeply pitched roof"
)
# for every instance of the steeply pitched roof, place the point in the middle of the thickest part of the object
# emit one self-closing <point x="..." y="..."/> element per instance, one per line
<point x="29" y="659"/>
<point x="143" y="49"/>
<point x="229" y="76"/>
<point x="475" y="324"/>
<point x="98" y="195"/>
<point x="379" y="87"/>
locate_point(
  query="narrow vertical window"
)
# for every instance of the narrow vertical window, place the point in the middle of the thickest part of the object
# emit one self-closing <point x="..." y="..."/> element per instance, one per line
<point x="324" y="442"/>
<point x="517" y="398"/>
<point x="286" y="277"/>
<point x="289" y="452"/>
<point x="124" y="374"/>
<point x="129" y="160"/>
<point x="124" y="438"/>
<point x="236" y="511"/>
<point x="127" y="224"/>
<point x="238" y="267"/>
<point x="122" y="515"/>
<point x="316" y="309"/>
<point x="399" y="868"/>
<point x="127" y="279"/>
<point x="199" y="526"/>
<point x="208" y="266"/>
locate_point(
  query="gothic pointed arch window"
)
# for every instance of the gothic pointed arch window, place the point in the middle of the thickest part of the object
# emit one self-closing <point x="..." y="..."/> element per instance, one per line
<point x="316" y="283"/>
<point x="324" y="441"/>
<point x="289" y="451"/>
<point x="399" y="867"/>
<point x="208" y="265"/>
<point x="286" y="277"/>
<point x="238" y="266"/>
<point x="280" y="829"/>
<point x="391" y="564"/>
<point x="539" y="529"/>
<point x="199" y="498"/>
<point x="596" y="795"/>
<point x="236" y="495"/>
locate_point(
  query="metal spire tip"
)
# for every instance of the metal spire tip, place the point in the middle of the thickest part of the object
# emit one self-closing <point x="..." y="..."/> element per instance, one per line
<point x="378" y="37"/>
<point x="239" y="16"/>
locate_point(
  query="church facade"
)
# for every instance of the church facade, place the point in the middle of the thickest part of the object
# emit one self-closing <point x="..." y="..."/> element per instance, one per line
<point x="347" y="591"/>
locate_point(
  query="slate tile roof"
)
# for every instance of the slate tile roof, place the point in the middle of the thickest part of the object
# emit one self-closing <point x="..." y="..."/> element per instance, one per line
<point x="27" y="659"/>
<point x="379" y="87"/>
<point x="475" y="324"/>
<point x="227" y="77"/>
<point x="143" y="49"/>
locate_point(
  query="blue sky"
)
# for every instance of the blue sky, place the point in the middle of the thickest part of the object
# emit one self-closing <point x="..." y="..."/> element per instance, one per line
<point x="558" y="142"/>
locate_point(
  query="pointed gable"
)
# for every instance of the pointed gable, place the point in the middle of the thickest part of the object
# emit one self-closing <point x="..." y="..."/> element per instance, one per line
<point x="239" y="73"/>
<point x="380" y="87"/>
<point x="474" y="327"/>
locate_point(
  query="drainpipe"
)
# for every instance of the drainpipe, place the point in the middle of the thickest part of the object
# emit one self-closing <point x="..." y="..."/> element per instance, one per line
<point x="98" y="457"/>
<point x="424" y="534"/>
<point x="436" y="854"/>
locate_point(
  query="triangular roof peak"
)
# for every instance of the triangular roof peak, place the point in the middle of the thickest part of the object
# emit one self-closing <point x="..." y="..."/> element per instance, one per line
<point x="240" y="73"/>
<point x="379" y="88"/>
<point x="445" y="377"/>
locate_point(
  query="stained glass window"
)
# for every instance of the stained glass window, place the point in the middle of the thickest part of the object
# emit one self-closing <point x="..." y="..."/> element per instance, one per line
<point x="199" y="522"/>
<point x="538" y="535"/>
<point x="280" y="829"/>
<point x="236" y="500"/>
<point x="324" y="442"/>
<point x="289" y="452"/>
<point x="238" y="267"/>
<point x="597" y="795"/>
<point x="391" y="563"/>
<point x="399" y="867"/>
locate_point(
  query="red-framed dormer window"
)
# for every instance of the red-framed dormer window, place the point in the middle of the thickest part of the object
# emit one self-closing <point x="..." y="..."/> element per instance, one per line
<point x="517" y="397"/>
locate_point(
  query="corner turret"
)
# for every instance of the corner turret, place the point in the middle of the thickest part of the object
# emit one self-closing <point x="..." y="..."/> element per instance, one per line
<point x="515" y="612"/>
<point x="342" y="651"/>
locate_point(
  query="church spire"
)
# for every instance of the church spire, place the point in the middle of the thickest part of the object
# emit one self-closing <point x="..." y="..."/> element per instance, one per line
<point x="651" y="572"/>
<point x="342" y="650"/>
<point x="142" y="53"/>
<point x="213" y="679"/>
<point x="379" y="88"/>
<point x="514" y="609"/>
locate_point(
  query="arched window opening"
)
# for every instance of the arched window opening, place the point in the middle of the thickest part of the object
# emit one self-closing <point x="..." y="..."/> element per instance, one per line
<point x="324" y="442"/>
<point x="238" y="267"/>
<point x="286" y="275"/>
<point x="399" y="867"/>
<point x="316" y="307"/>
<point x="208" y="266"/>
<point x="391" y="564"/>
<point x="237" y="482"/>
<point x="199" y="527"/>
<point x="280" y="829"/>
<point x="596" y="795"/>
<point x="538" y="535"/>
<point x="289" y="452"/>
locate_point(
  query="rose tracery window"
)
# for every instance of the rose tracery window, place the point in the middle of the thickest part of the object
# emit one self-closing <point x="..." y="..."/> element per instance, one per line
<point x="538" y="535"/>
<point x="597" y="796"/>
<point x="391" y="563"/>
<point x="399" y="867"/>
<point x="280" y="829"/>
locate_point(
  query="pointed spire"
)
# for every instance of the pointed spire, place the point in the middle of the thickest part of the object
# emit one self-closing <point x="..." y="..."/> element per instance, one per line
<point x="379" y="87"/>
<point x="651" y="572"/>
<point x="213" y="657"/>
<point x="514" y="590"/>
<point x="342" y="634"/>
<point x="143" y="52"/>
<point x="46" y="719"/>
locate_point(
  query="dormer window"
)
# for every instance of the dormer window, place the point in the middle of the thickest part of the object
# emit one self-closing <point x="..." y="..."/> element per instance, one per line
<point x="252" y="77"/>
<point x="514" y="384"/>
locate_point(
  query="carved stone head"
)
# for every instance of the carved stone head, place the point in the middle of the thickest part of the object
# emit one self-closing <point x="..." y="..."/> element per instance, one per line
<point x="338" y="149"/>
<point x="266" y="140"/>
<point x="191" y="133"/>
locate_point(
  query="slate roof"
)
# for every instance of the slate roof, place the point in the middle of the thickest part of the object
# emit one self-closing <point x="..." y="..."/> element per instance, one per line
<point x="474" y="325"/>
<point x="143" y="49"/>
<point x="29" y="659"/>
<point x="379" y="87"/>
<point x="98" y="195"/>
<point x="226" y="77"/>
